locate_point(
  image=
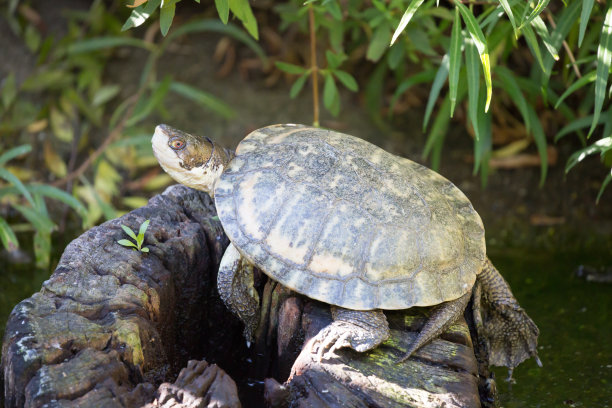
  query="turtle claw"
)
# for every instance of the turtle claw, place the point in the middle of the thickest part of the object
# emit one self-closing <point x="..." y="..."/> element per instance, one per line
<point x="329" y="339"/>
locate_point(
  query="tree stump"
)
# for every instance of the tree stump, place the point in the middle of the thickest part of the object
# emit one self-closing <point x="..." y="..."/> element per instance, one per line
<point x="111" y="324"/>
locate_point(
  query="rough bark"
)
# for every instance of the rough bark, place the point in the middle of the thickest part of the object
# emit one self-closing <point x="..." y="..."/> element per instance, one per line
<point x="111" y="324"/>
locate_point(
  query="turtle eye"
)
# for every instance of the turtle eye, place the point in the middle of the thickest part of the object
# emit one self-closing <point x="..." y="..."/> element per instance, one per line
<point x="177" y="144"/>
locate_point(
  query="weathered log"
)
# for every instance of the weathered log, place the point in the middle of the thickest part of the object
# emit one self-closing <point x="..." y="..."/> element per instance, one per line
<point x="112" y="323"/>
<point x="111" y="318"/>
<point x="442" y="373"/>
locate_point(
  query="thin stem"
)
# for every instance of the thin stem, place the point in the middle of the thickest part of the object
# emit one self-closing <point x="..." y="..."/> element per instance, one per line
<point x="314" y="69"/>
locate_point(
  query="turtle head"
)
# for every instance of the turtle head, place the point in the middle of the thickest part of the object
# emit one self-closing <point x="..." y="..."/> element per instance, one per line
<point x="194" y="161"/>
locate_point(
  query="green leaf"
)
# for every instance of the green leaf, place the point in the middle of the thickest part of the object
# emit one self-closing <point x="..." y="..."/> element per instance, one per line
<point x="604" y="184"/>
<point x="535" y="12"/>
<point x="599" y="146"/>
<point x="455" y="61"/>
<point x="587" y="7"/>
<point x="540" y="28"/>
<point x="218" y="27"/>
<point x="105" y="94"/>
<point x="577" y="124"/>
<point x="166" y="15"/>
<point x="564" y="23"/>
<point x="7" y="236"/>
<point x="59" y="195"/>
<point x="129" y="231"/>
<point x="378" y="43"/>
<point x="540" y="140"/>
<point x="532" y="41"/>
<point x="412" y="8"/>
<point x="419" y="78"/>
<point x="334" y="60"/>
<point x="12" y="179"/>
<point x="290" y="68"/>
<point x="242" y="10"/>
<point x="14" y="152"/>
<point x="142" y="230"/>
<point x="512" y="88"/>
<point x="604" y="58"/>
<point x="47" y="80"/>
<point x="9" y="90"/>
<point x="481" y="44"/>
<point x="100" y="43"/>
<point x="42" y="248"/>
<point x="145" y="106"/>
<point x="506" y="6"/>
<point x="483" y="144"/>
<point x="140" y="14"/>
<point x="38" y="219"/>
<point x="439" y="80"/>
<point x="347" y="80"/>
<point x="204" y="99"/>
<point x="331" y="98"/>
<point x="298" y="85"/>
<point x="473" y="81"/>
<point x="144" y="249"/>
<point x="223" y="10"/>
<point x="126" y="243"/>
<point x="586" y="79"/>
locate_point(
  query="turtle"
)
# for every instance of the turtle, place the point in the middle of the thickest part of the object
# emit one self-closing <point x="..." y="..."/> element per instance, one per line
<point x="342" y="221"/>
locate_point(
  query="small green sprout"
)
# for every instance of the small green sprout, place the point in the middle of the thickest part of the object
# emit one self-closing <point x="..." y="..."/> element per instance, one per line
<point x="139" y="239"/>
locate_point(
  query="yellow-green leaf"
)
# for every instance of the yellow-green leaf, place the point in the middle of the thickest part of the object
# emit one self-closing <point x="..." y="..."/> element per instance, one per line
<point x="408" y="14"/>
<point x="53" y="161"/>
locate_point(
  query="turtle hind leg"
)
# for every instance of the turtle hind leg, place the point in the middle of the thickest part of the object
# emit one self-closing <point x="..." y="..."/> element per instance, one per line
<point x="235" y="286"/>
<point x="510" y="333"/>
<point x="442" y="317"/>
<point x="357" y="329"/>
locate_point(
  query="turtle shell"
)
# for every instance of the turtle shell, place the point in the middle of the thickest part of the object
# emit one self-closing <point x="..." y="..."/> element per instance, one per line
<point x="342" y="221"/>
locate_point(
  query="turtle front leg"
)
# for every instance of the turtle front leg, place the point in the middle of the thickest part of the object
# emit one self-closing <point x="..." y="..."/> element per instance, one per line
<point x="359" y="330"/>
<point x="235" y="286"/>
<point x="511" y="334"/>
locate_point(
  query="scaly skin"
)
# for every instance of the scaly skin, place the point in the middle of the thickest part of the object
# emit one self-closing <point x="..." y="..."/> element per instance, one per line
<point x="511" y="334"/>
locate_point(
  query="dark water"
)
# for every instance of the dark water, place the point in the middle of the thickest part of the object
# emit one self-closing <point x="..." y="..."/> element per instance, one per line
<point x="574" y="317"/>
<point x="575" y="344"/>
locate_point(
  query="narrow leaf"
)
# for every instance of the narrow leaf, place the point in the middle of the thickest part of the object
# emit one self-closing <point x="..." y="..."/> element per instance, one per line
<point x="143" y="228"/>
<point x="290" y="68"/>
<point x="604" y="184"/>
<point x="564" y="23"/>
<point x="540" y="140"/>
<point x="347" y="80"/>
<point x="439" y="80"/>
<point x="126" y="243"/>
<point x="128" y="231"/>
<point x="378" y="43"/>
<point x="473" y="81"/>
<point x="455" y="61"/>
<point x="579" y="155"/>
<point x="330" y="93"/>
<point x="511" y="86"/>
<point x="7" y="236"/>
<point x="204" y="99"/>
<point x="419" y="78"/>
<point x="506" y="6"/>
<point x="412" y="8"/>
<point x="39" y="220"/>
<point x="9" y="90"/>
<point x="604" y="57"/>
<point x="576" y="125"/>
<point x="14" y="152"/>
<point x="166" y="15"/>
<point x="540" y="28"/>
<point x="12" y="179"/>
<point x="242" y="10"/>
<point x="146" y="106"/>
<point x="298" y="85"/>
<point x="481" y="44"/>
<point x="532" y="41"/>
<point x="587" y="7"/>
<point x="140" y="14"/>
<point x="535" y="12"/>
<point x="586" y="79"/>
<point x="59" y="195"/>
<point x="99" y="43"/>
<point x="223" y="10"/>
